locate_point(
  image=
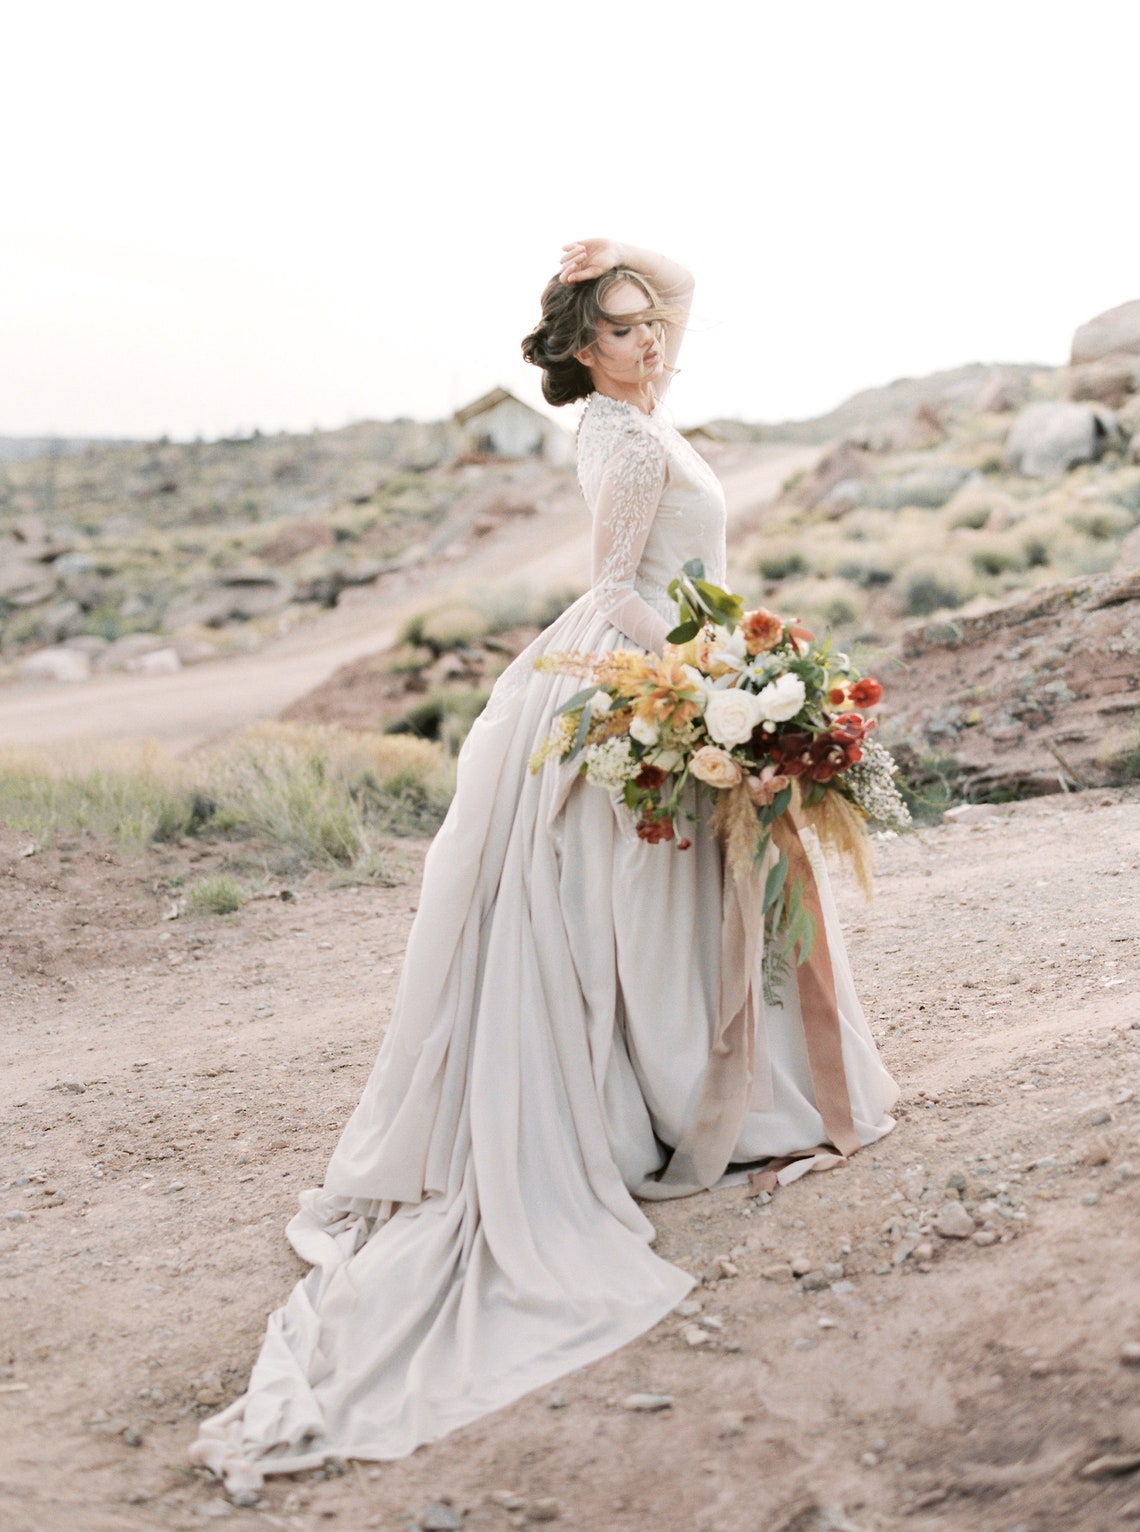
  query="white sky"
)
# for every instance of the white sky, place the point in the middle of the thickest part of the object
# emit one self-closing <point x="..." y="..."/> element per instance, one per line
<point x="239" y="213"/>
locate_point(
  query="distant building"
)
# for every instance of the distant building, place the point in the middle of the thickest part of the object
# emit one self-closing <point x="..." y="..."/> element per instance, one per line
<point x="499" y="425"/>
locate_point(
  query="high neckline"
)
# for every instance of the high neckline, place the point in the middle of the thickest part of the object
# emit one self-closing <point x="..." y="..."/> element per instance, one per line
<point x="624" y="404"/>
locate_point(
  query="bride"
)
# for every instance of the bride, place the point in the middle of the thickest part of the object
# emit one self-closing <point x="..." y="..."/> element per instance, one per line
<point x="572" y="1029"/>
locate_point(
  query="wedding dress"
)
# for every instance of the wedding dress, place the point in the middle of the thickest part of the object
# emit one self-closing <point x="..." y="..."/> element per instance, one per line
<point x="550" y="1048"/>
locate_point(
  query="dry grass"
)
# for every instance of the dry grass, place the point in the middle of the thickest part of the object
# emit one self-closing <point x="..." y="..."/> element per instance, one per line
<point x="325" y="794"/>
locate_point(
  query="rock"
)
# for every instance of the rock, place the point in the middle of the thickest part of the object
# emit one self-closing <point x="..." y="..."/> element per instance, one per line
<point x="1111" y="1466"/>
<point x="1111" y="381"/>
<point x="557" y="1402"/>
<point x="833" y="1271"/>
<point x="781" y="1272"/>
<point x="246" y="1498"/>
<point x="56" y="664"/>
<point x="159" y="662"/>
<point x="869" y="1460"/>
<point x="719" y="1269"/>
<point x="132" y="1437"/>
<point x="985" y="1237"/>
<point x="970" y="814"/>
<point x="693" y="1335"/>
<point x="689" y="1308"/>
<point x="1097" y="1152"/>
<point x="813" y="1282"/>
<point x="1098" y="1119"/>
<point x="924" y="1251"/>
<point x="953" y="1222"/>
<point x="507" y="1499"/>
<point x="801" y="1265"/>
<point x="1001" y="394"/>
<point x="1115" y="331"/>
<point x="649" y="1404"/>
<point x="543" y="1510"/>
<point x="1130" y="1354"/>
<point x="1047" y="439"/>
<point x="193" y="651"/>
<point x="439" y="1517"/>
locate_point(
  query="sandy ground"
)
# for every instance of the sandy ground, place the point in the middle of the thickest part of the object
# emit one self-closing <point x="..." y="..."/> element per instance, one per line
<point x="169" y="1086"/>
<point x="549" y="551"/>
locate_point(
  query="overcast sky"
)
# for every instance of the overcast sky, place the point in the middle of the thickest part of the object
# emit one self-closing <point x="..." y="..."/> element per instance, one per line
<point x="216" y="216"/>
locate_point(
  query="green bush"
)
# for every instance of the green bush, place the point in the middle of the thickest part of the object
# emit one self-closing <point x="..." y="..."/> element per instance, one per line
<point x="781" y="563"/>
<point x="931" y="587"/>
<point x="219" y="895"/>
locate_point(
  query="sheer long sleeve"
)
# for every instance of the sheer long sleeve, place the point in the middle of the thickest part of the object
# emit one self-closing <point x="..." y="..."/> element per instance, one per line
<point x="626" y="504"/>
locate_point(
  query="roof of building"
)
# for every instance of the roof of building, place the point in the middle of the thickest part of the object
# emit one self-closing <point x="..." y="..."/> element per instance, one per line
<point x="487" y="402"/>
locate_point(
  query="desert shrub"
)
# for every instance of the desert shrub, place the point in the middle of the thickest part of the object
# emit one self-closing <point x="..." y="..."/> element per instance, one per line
<point x="932" y="586"/>
<point x="220" y="895"/>
<point x="866" y="573"/>
<point x="323" y="793"/>
<point x="407" y="659"/>
<point x="445" y="715"/>
<point x="135" y="794"/>
<point x="1035" y="551"/>
<point x="1126" y="493"/>
<point x="447" y="627"/>
<point x="972" y="514"/>
<point x="834" y="603"/>
<point x="321" y="790"/>
<point x="1101" y="522"/>
<point x="781" y="561"/>
<point x="992" y="556"/>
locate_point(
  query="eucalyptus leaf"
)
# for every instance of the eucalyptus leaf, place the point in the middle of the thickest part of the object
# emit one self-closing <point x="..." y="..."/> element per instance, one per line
<point x="775" y="881"/>
<point x="579" y="699"/>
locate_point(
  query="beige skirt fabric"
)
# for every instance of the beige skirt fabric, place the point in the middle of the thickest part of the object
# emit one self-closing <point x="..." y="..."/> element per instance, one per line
<point x="478" y="1233"/>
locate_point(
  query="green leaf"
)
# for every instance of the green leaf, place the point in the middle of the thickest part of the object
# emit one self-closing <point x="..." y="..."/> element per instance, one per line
<point x="696" y="568"/>
<point x="775" y="881"/>
<point x="807" y="941"/>
<point x="583" y="730"/>
<point x="579" y="699"/>
<point x="685" y="631"/>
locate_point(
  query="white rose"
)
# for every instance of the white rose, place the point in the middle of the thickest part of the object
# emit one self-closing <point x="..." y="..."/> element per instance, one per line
<point x="643" y="732"/>
<point x="731" y="716"/>
<point x="600" y="704"/>
<point x="716" y="767"/>
<point x="782" y="699"/>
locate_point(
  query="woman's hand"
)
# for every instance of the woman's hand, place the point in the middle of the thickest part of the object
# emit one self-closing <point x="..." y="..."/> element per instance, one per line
<point x="586" y="259"/>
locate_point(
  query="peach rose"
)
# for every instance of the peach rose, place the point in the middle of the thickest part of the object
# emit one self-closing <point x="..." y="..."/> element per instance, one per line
<point x="716" y="767"/>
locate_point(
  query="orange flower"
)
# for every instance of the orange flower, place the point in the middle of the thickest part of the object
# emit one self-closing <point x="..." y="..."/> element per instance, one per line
<point x="866" y="693"/>
<point x="764" y="788"/>
<point x="762" y="630"/>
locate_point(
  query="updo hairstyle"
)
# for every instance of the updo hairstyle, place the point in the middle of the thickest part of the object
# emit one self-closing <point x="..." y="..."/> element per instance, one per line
<point x="571" y="315"/>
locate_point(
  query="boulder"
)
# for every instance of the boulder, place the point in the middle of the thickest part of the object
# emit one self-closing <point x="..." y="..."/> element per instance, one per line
<point x="1026" y="698"/>
<point x="56" y="664"/>
<point x="1113" y="332"/>
<point x="1049" y="438"/>
<point x="1111" y="381"/>
<point x="1002" y="394"/>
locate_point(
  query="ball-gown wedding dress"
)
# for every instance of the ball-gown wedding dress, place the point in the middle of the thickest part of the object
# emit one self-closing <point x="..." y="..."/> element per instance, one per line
<point x="550" y="1057"/>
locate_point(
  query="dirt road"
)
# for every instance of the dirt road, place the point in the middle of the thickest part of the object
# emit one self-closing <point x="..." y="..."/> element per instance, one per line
<point x="544" y="552"/>
<point x="170" y="1085"/>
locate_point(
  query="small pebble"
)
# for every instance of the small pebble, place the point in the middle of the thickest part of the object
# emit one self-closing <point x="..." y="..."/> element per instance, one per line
<point x="953" y="1222"/>
<point x="543" y="1510"/>
<point x="689" y="1308"/>
<point x="813" y="1282"/>
<point x="985" y="1237"/>
<point x="439" y="1517"/>
<point x="132" y="1437"/>
<point x="1090" y="1199"/>
<point x="648" y="1403"/>
<point x="557" y="1402"/>
<point x="869" y="1460"/>
<point x="1130" y="1353"/>
<point x="780" y="1273"/>
<point x="693" y="1335"/>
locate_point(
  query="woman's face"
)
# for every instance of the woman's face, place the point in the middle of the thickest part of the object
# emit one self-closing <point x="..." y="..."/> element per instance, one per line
<point x="630" y="354"/>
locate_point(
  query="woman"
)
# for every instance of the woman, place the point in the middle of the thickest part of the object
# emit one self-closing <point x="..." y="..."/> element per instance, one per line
<point x="562" y="1032"/>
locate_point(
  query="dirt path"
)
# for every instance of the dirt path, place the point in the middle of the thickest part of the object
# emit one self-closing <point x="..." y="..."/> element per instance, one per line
<point x="547" y="551"/>
<point x="170" y="1086"/>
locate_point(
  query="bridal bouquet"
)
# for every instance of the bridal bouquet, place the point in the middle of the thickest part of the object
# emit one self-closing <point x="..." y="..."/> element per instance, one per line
<point x="753" y="710"/>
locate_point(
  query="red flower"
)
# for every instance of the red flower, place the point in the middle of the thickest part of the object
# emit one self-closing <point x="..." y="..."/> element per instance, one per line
<point x="837" y="696"/>
<point x="799" y="633"/>
<point x="792" y="753"/>
<point x="655" y="830"/>
<point x="848" y="728"/>
<point x="650" y="777"/>
<point x="866" y="693"/>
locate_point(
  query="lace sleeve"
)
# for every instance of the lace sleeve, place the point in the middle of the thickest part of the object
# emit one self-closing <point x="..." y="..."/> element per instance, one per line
<point x="624" y="509"/>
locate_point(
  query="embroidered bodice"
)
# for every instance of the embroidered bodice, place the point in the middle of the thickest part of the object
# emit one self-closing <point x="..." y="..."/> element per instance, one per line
<point x="655" y="504"/>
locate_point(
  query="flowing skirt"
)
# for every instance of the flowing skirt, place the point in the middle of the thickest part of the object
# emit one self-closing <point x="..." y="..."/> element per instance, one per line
<point x="477" y="1235"/>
